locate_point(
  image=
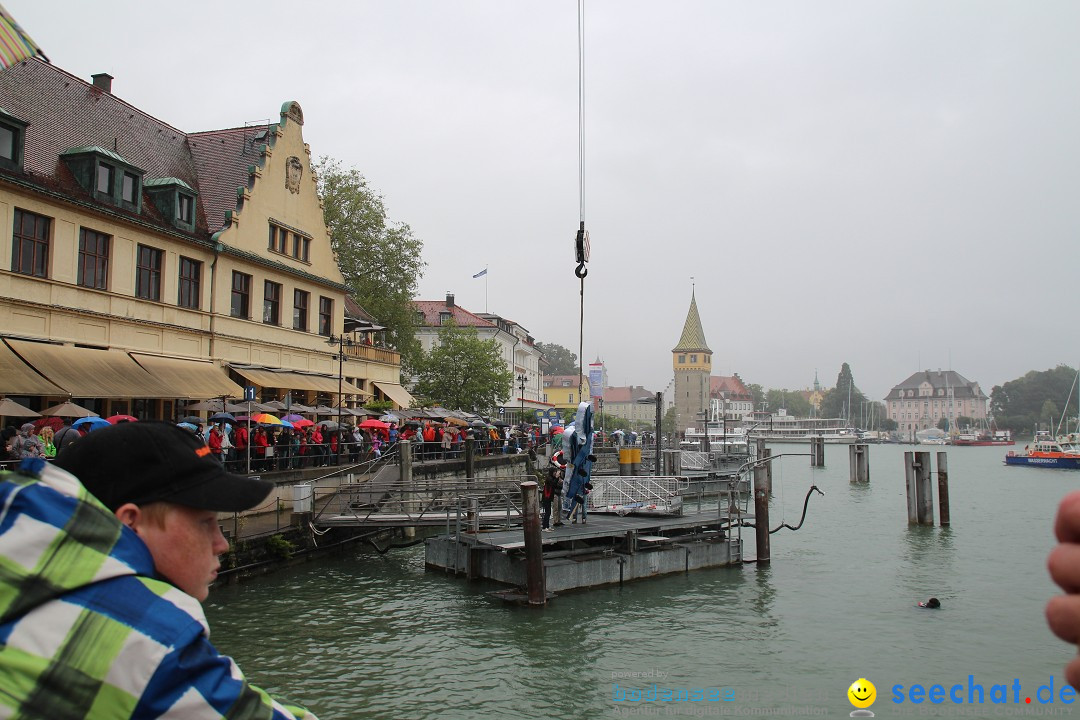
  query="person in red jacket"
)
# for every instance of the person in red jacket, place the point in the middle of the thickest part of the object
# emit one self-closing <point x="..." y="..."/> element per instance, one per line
<point x="214" y="441"/>
<point x="240" y="441"/>
<point x="259" y="443"/>
<point x="429" y="440"/>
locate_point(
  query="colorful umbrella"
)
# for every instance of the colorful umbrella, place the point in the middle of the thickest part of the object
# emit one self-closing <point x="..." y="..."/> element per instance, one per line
<point x="266" y="419"/>
<point x="93" y="422"/>
<point x="113" y="419"/>
<point x="293" y="417"/>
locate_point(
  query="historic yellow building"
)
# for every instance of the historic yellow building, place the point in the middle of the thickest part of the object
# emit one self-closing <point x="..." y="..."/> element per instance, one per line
<point x="141" y="266"/>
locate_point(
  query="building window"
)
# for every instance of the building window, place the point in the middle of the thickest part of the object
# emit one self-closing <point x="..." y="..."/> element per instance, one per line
<point x="571" y="398"/>
<point x="300" y="310"/>
<point x="444" y="318"/>
<point x="279" y="239"/>
<point x="185" y="205"/>
<point x="241" y="295"/>
<point x="129" y="190"/>
<point x="190" y="276"/>
<point x="305" y="247"/>
<point x="105" y="178"/>
<point x="93" y="259"/>
<point x="272" y="303"/>
<point x="148" y="273"/>
<point x="326" y="315"/>
<point x="693" y="358"/>
<point x="682" y="359"/>
<point x="9" y="144"/>
<point x="30" y="244"/>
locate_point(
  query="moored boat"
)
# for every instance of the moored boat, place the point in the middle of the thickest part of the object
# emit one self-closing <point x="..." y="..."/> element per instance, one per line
<point x="1048" y="453"/>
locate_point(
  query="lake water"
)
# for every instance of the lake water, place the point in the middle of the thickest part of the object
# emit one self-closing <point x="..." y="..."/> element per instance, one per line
<point x="370" y="636"/>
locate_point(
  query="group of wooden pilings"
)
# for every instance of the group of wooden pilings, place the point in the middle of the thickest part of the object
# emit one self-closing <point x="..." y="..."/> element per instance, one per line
<point x="920" y="488"/>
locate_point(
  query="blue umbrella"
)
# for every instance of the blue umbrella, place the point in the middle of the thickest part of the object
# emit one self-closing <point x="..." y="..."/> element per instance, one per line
<point x="93" y="422"/>
<point x="187" y="426"/>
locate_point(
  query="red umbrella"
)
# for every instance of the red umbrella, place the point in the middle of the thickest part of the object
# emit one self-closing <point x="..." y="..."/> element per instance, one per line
<point x="302" y="422"/>
<point x="372" y="423"/>
<point x="113" y="419"/>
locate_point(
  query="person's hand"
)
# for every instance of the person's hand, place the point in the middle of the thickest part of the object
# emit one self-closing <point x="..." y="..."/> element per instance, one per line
<point x="1063" y="611"/>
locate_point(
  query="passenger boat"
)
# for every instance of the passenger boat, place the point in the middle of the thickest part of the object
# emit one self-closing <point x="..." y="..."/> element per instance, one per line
<point x="784" y="428"/>
<point x="1047" y="452"/>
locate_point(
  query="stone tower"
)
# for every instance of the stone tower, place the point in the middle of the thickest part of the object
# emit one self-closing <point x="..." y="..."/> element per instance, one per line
<point x="692" y="361"/>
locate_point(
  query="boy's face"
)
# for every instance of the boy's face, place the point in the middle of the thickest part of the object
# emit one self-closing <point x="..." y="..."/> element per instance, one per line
<point x="185" y="547"/>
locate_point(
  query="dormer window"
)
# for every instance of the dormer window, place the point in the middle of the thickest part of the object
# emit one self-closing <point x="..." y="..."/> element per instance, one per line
<point x="175" y="200"/>
<point x="444" y="318"/>
<point x="12" y="139"/>
<point x="106" y="176"/>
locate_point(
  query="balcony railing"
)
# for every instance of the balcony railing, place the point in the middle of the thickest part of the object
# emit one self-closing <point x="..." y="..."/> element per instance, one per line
<point x="373" y="353"/>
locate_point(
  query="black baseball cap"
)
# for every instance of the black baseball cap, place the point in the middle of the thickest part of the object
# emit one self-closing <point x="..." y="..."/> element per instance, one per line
<point x="144" y="462"/>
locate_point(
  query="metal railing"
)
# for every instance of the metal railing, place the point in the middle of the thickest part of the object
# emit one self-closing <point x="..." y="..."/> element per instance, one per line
<point x="638" y="494"/>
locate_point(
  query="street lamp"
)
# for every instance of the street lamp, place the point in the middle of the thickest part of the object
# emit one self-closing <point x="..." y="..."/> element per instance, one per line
<point x="341" y="342"/>
<point x="522" y="381"/>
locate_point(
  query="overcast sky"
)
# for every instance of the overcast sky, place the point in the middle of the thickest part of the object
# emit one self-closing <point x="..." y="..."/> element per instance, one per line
<point x="895" y="185"/>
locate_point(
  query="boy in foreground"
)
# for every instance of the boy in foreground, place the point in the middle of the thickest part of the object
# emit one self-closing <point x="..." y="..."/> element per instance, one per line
<point x="105" y="557"/>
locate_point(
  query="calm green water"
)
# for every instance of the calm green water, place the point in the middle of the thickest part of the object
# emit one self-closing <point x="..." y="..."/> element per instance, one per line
<point x="378" y="636"/>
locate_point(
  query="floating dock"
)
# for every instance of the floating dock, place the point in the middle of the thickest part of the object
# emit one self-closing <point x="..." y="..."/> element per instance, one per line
<point x="608" y="549"/>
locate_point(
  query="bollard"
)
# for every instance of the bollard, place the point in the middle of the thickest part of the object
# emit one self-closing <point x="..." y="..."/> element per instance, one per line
<point x="534" y="549"/>
<point x="943" y="487"/>
<point x="924" y="489"/>
<point x="859" y="463"/>
<point x="761" y="514"/>
<point x="624" y="461"/>
<point x="909" y="484"/>
<point x="768" y="470"/>
<point x="470" y="460"/>
<point x="817" y="451"/>
<point x="405" y="476"/>
<point x="635" y="461"/>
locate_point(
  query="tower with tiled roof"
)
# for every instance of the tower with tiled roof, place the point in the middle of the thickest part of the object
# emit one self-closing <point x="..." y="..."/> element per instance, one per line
<point x="691" y="360"/>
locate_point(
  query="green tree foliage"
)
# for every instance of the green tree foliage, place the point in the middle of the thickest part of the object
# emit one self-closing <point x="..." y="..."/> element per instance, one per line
<point x="791" y="400"/>
<point x="463" y="372"/>
<point x="757" y="393"/>
<point x="380" y="260"/>
<point x="560" y="360"/>
<point x="667" y="423"/>
<point x="840" y="400"/>
<point x="1021" y="404"/>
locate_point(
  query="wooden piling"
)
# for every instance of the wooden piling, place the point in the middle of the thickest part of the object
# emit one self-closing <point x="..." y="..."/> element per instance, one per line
<point x="534" y="551"/>
<point x="943" y="487"/>
<point x="924" y="488"/>
<point x="761" y="513"/>
<point x="909" y="482"/>
<point x="470" y="459"/>
<point x="405" y="476"/>
<point x="859" y="463"/>
<point x="768" y="470"/>
<point x="817" y="451"/>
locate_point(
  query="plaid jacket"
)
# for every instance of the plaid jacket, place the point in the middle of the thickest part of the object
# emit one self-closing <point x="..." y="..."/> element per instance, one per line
<point x="85" y="629"/>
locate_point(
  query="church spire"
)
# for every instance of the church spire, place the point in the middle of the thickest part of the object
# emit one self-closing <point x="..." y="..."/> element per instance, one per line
<point x="693" y="337"/>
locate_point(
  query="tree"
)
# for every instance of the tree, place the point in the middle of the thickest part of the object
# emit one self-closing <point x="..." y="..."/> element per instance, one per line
<point x="463" y="372"/>
<point x="757" y="393"/>
<point x="791" y="400"/>
<point x="667" y="423"/>
<point x="840" y="400"/>
<point x="380" y="260"/>
<point x="1019" y="404"/>
<point x="560" y="360"/>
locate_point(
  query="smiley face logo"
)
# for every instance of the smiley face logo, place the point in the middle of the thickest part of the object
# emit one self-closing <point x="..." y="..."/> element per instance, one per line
<point x="862" y="693"/>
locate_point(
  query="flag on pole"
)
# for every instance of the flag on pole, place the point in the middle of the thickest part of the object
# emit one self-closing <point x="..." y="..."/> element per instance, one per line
<point x="482" y="273"/>
<point x="15" y="45"/>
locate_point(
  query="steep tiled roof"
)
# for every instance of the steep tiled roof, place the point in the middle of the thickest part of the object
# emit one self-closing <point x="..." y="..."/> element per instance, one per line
<point x="65" y="112"/>
<point x="732" y="387"/>
<point x="943" y="379"/>
<point x="693" y="337"/>
<point x="432" y="310"/>
<point x="626" y="394"/>
<point x="558" y="380"/>
<point x="222" y="159"/>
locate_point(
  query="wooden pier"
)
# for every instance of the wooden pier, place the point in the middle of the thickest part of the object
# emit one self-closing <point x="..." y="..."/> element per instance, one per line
<point x="606" y="550"/>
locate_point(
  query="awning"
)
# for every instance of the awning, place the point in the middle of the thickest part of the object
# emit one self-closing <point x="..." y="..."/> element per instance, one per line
<point x="191" y="379"/>
<point x="18" y="378"/>
<point x="396" y="393"/>
<point x="297" y="381"/>
<point x="91" y="373"/>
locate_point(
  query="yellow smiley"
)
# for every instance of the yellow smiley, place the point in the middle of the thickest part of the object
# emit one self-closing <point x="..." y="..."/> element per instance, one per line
<point x="862" y="693"/>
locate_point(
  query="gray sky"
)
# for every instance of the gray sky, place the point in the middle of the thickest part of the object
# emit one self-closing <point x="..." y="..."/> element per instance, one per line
<point x="888" y="184"/>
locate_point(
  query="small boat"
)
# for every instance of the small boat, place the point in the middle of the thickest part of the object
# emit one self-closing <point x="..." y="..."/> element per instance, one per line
<point x="1047" y="452"/>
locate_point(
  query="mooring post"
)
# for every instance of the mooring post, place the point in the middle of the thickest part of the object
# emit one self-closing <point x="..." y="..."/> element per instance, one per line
<point x="817" y="451"/>
<point x="761" y="513"/>
<point x="473" y="515"/>
<point x="470" y="460"/>
<point x="925" y="488"/>
<point x="635" y="461"/>
<point x="405" y="476"/>
<point x="943" y="487"/>
<point x="909" y="484"/>
<point x="859" y="463"/>
<point x="624" y="462"/>
<point x="768" y="470"/>
<point x="534" y="549"/>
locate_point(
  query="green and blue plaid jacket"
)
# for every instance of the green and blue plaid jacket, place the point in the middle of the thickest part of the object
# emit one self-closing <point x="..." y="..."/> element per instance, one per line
<point x="86" y="631"/>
